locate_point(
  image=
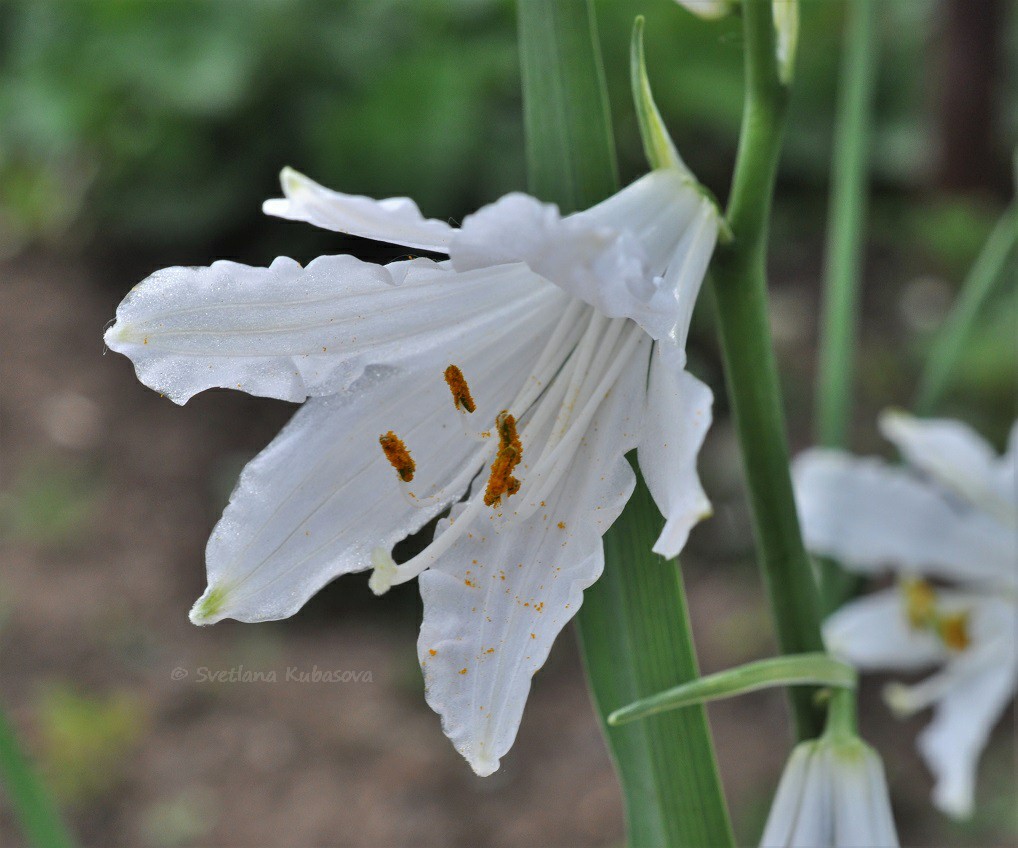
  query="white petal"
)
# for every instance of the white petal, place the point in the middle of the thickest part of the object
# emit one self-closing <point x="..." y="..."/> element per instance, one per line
<point x="951" y="452"/>
<point x="869" y="515"/>
<point x="396" y="219"/>
<point x="677" y="419"/>
<point x="495" y="602"/>
<point x="289" y="332"/>
<point x="814" y="824"/>
<point x="641" y="254"/>
<point x="1005" y="475"/>
<point x="707" y="9"/>
<point x="786" y="24"/>
<point x="677" y="291"/>
<point x="986" y="677"/>
<point x="873" y="632"/>
<point x="321" y="498"/>
<point x="862" y="808"/>
<point x="883" y="832"/>
<point x="787" y="801"/>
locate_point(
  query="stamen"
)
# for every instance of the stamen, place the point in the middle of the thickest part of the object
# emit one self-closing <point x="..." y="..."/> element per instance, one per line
<point x="954" y="630"/>
<point x="398" y="455"/>
<point x="510" y="452"/>
<point x="925" y="613"/>
<point x="920" y="602"/>
<point x="460" y="390"/>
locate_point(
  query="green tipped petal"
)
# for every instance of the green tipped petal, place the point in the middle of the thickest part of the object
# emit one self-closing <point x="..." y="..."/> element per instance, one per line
<point x="657" y="144"/>
<point x="797" y="670"/>
<point x="207" y="608"/>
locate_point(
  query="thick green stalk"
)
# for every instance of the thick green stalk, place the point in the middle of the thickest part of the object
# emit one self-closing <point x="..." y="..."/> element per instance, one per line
<point x="32" y="804"/>
<point x="636" y="641"/>
<point x="633" y="625"/>
<point x="740" y="289"/>
<point x="845" y="226"/>
<point x="988" y="270"/>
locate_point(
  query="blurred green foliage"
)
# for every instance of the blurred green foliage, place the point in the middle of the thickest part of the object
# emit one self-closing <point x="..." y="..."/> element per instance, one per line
<point x="153" y="123"/>
<point x="86" y="740"/>
<point x="51" y="502"/>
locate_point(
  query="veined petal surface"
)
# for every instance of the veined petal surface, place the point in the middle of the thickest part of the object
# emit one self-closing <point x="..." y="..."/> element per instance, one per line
<point x="677" y="419"/>
<point x="290" y="332"/>
<point x="869" y="516"/>
<point x="496" y="600"/>
<point x="322" y="497"/>
<point x="396" y="220"/>
<point x="955" y="456"/>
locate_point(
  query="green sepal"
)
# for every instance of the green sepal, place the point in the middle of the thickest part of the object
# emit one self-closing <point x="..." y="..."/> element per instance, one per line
<point x="657" y="143"/>
<point x="658" y="146"/>
<point x="816" y="669"/>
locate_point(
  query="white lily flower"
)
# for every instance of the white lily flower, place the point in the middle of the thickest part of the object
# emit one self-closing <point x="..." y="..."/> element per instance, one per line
<point x="953" y="516"/>
<point x="561" y="340"/>
<point x="833" y="794"/>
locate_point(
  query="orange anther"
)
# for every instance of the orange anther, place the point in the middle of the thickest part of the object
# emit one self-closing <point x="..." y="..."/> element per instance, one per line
<point x="460" y="390"/>
<point x="501" y="482"/>
<point x="954" y="630"/>
<point x="398" y="455"/>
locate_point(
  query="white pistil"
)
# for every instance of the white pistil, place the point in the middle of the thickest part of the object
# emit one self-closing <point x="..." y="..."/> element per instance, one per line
<point x="414" y="566"/>
<point x="908" y="700"/>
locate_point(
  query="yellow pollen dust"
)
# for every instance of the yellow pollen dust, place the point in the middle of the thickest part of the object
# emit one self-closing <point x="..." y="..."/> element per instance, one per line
<point x="460" y="390"/>
<point x="398" y="455"/>
<point x="501" y="482"/>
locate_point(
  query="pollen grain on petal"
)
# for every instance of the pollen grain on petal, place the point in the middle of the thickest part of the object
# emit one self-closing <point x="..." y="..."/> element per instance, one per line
<point x="398" y="455"/>
<point x="460" y="389"/>
<point x="501" y="482"/>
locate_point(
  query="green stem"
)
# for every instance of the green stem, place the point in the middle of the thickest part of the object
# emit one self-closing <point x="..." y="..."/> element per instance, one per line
<point x="33" y="806"/>
<point x="982" y="279"/>
<point x="740" y="289"/>
<point x="845" y="226"/>
<point x="842" y="718"/>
